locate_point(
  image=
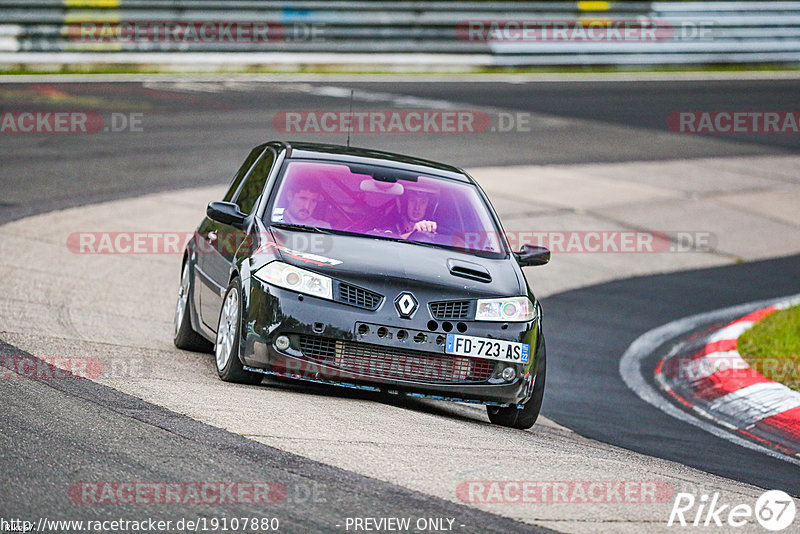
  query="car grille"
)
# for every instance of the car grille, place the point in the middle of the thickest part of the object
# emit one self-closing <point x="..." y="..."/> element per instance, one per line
<point x="358" y="297"/>
<point x="317" y="348"/>
<point x="375" y="361"/>
<point x="450" y="310"/>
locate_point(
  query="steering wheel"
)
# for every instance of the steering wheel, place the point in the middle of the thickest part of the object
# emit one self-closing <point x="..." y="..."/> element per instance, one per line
<point x="422" y="237"/>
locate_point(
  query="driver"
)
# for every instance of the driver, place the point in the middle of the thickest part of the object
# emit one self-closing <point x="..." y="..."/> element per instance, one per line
<point x="414" y="206"/>
<point x="303" y="198"/>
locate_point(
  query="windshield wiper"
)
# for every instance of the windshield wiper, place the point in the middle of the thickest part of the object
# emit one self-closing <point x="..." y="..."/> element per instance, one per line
<point x="300" y="227"/>
<point x="401" y="240"/>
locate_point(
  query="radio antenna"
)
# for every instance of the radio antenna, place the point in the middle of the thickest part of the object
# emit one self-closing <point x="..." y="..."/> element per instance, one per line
<point x="350" y="116"/>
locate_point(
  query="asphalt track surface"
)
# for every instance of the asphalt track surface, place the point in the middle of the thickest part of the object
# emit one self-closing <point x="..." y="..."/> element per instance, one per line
<point x="59" y="431"/>
<point x="644" y="104"/>
<point x="194" y="138"/>
<point x="590" y="328"/>
<point x="199" y="138"/>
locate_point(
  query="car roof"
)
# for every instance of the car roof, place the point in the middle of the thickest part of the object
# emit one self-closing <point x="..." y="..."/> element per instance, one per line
<point x="321" y="151"/>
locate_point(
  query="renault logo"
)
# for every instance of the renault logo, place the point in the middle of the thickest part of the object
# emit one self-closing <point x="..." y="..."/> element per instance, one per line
<point x="406" y="304"/>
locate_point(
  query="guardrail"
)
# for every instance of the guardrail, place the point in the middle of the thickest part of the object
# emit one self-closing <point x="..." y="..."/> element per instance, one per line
<point x="473" y="33"/>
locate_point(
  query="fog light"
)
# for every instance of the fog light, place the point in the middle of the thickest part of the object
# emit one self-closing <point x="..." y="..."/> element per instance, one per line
<point x="283" y="343"/>
<point x="509" y="374"/>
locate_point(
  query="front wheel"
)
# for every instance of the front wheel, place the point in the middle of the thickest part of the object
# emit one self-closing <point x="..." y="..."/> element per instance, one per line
<point x="524" y="418"/>
<point x="226" y="351"/>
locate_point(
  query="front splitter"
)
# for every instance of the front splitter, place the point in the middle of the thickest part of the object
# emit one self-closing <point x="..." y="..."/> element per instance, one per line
<point x="375" y="389"/>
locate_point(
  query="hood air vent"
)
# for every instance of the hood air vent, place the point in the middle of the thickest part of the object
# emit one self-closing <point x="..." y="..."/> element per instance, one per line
<point x="469" y="270"/>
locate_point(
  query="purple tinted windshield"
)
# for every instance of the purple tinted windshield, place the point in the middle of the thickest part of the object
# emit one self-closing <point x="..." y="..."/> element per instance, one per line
<point x="385" y="202"/>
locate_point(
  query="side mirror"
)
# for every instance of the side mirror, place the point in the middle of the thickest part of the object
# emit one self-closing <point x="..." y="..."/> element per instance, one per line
<point x="226" y="213"/>
<point x="530" y="255"/>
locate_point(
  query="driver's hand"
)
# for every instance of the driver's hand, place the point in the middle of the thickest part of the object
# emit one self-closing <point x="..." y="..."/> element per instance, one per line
<point x="428" y="227"/>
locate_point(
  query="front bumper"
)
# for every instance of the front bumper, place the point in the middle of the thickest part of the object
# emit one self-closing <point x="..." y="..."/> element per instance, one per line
<point x="338" y="344"/>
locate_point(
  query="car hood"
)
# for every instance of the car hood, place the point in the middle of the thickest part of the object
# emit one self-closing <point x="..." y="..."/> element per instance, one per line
<point x="389" y="266"/>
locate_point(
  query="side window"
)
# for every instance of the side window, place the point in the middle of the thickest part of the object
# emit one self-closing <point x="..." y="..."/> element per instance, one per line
<point x="240" y="174"/>
<point x="254" y="183"/>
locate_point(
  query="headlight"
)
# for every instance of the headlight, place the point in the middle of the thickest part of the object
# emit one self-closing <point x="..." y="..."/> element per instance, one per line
<point x="507" y="309"/>
<point x="288" y="276"/>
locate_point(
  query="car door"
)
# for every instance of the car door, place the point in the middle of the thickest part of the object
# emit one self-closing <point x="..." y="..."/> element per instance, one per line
<point x="221" y="240"/>
<point x="206" y="237"/>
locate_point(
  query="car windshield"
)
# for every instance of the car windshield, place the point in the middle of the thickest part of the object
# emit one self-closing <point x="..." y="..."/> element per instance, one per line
<point x="386" y="203"/>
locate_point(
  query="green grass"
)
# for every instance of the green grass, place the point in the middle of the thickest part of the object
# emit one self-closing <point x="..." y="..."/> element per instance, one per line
<point x="772" y="347"/>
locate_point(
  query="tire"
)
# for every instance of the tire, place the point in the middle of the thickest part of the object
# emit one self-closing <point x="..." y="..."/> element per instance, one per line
<point x="226" y="348"/>
<point x="184" y="336"/>
<point x="524" y="418"/>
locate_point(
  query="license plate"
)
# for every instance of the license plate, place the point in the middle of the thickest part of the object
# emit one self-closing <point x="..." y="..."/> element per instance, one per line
<point x="490" y="349"/>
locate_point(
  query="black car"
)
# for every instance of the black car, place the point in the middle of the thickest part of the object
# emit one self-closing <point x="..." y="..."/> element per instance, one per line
<point x="369" y="270"/>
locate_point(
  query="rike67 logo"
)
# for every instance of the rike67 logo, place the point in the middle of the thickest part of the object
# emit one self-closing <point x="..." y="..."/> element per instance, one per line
<point x="774" y="510"/>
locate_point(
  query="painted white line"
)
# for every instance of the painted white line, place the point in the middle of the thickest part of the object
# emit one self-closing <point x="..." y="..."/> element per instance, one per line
<point x="379" y="96"/>
<point x="186" y="86"/>
<point x="788" y="303"/>
<point x="753" y="403"/>
<point x="10" y="30"/>
<point x="402" y="78"/>
<point x="732" y="331"/>
<point x="8" y="43"/>
<point x="630" y="367"/>
<point x="227" y="59"/>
